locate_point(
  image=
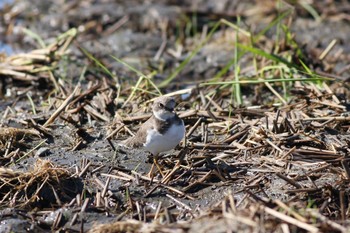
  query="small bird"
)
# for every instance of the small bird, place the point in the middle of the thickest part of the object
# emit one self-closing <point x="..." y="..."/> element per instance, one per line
<point x="162" y="132"/>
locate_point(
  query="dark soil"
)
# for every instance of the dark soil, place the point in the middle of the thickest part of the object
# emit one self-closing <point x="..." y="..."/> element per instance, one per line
<point x="263" y="166"/>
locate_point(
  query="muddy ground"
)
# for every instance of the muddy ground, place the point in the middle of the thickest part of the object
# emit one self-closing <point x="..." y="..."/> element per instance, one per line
<point x="274" y="163"/>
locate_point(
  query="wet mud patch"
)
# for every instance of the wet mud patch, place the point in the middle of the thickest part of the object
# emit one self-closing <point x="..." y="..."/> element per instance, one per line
<point x="261" y="86"/>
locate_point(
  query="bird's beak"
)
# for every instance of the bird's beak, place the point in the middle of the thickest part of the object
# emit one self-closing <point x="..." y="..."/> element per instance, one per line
<point x="169" y="109"/>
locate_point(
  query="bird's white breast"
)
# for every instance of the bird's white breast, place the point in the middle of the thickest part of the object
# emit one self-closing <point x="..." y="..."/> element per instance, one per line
<point x="157" y="143"/>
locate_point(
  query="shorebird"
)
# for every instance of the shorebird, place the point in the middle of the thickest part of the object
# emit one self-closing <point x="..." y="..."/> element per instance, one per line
<point x="162" y="132"/>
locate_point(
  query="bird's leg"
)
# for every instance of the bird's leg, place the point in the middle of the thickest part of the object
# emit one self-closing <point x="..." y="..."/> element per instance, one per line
<point x="150" y="173"/>
<point x="155" y="163"/>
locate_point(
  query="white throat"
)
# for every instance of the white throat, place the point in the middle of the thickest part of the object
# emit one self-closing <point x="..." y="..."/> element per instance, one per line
<point x="163" y="115"/>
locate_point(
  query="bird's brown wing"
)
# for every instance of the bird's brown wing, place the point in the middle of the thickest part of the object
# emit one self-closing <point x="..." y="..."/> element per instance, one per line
<point x="141" y="135"/>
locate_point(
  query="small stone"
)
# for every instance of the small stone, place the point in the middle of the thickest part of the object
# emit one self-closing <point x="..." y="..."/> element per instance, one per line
<point x="42" y="152"/>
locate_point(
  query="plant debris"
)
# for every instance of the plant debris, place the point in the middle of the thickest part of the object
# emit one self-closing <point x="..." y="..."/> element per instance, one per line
<point x="265" y="110"/>
<point x="44" y="184"/>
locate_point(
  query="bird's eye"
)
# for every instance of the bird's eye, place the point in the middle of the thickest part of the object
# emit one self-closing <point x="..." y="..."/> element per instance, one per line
<point x="161" y="105"/>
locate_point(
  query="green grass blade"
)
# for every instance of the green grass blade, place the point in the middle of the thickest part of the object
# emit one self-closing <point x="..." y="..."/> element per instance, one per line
<point x="188" y="59"/>
<point x="236" y="27"/>
<point x="31" y="103"/>
<point x="70" y="33"/>
<point x="271" y="25"/>
<point x="145" y="91"/>
<point x="133" y="90"/>
<point x="35" y="36"/>
<point x="141" y="78"/>
<point x="82" y="75"/>
<point x="237" y="86"/>
<point x="224" y="70"/>
<point x="139" y="73"/>
<point x="266" y="80"/>
<point x="98" y="63"/>
<point x="269" y="56"/>
<point x="311" y="10"/>
<point x="307" y="69"/>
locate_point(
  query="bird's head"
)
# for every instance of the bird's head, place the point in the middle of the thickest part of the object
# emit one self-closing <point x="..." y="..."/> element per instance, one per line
<point x="163" y="107"/>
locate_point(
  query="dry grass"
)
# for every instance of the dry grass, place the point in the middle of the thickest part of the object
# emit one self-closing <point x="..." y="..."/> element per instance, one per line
<point x="44" y="183"/>
<point x="280" y="163"/>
